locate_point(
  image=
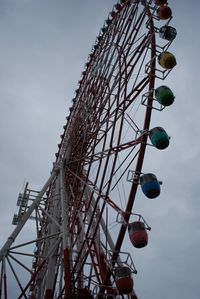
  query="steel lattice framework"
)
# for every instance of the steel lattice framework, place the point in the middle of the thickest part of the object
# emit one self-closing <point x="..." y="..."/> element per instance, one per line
<point x="80" y="216"/>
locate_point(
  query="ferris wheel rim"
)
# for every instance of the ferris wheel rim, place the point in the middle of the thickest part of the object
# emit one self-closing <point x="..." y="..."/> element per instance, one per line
<point x="145" y="128"/>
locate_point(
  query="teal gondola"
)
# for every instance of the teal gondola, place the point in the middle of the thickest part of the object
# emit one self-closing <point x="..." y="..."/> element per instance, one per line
<point x="159" y="138"/>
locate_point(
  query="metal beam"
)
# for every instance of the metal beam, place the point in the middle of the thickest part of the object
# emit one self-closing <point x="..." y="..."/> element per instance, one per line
<point x="26" y="216"/>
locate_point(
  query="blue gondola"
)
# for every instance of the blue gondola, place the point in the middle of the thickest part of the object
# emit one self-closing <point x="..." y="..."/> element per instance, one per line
<point x="150" y="185"/>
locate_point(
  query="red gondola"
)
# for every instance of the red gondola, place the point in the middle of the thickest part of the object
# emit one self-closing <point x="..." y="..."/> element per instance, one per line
<point x="138" y="234"/>
<point x="164" y="12"/>
<point x="160" y="2"/>
<point x="124" y="281"/>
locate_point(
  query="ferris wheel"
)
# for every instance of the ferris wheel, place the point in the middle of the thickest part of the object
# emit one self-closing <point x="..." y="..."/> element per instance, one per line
<point x="75" y="248"/>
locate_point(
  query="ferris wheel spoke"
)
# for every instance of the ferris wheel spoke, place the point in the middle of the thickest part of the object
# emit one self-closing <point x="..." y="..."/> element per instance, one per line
<point x="34" y="241"/>
<point x="15" y="276"/>
<point x="19" y="263"/>
<point x="130" y="17"/>
<point x="109" y="151"/>
<point x="125" y="170"/>
<point x="123" y="105"/>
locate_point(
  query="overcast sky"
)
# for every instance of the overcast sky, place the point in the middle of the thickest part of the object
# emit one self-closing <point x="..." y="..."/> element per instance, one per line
<point x="43" y="48"/>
